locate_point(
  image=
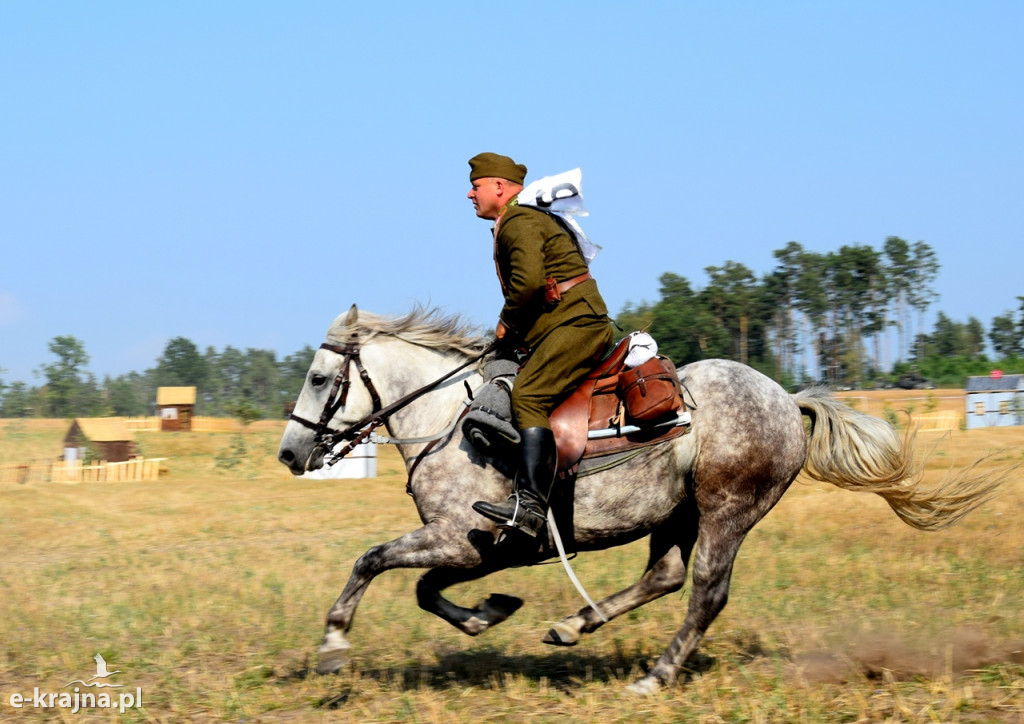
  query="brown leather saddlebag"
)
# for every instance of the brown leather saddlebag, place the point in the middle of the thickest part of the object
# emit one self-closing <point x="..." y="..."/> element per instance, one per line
<point x="651" y="390"/>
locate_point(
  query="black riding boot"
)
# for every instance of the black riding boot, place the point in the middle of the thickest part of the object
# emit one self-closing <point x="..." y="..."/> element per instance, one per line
<point x="526" y="509"/>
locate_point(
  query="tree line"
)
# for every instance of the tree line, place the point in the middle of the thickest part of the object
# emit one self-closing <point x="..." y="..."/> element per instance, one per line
<point x="853" y="317"/>
<point x="249" y="385"/>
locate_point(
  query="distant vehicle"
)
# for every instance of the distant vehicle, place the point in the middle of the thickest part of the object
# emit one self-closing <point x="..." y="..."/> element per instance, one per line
<point x="914" y="381"/>
<point x="879" y="385"/>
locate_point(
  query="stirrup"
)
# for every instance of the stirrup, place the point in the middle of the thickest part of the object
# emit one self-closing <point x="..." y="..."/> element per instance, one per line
<point x="513" y="514"/>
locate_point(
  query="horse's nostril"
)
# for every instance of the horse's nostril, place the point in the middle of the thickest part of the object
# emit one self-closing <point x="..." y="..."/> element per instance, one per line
<point x="286" y="456"/>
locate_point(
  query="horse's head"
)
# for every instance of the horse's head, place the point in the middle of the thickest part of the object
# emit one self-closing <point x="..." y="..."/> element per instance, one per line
<point x="338" y="393"/>
<point x="341" y="397"/>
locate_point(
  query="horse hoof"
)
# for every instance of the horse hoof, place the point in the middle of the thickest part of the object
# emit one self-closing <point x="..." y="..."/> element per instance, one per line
<point x="561" y="634"/>
<point x="647" y="686"/>
<point x="498" y="606"/>
<point x="332" y="661"/>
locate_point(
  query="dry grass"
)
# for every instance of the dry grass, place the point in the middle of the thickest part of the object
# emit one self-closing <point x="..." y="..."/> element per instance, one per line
<point x="208" y="590"/>
<point x="874" y="402"/>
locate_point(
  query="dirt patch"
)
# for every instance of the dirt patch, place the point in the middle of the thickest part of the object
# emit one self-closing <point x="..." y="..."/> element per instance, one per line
<point x="883" y="655"/>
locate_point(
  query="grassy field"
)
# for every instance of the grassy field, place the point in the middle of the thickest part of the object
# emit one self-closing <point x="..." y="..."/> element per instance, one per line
<point x="208" y="589"/>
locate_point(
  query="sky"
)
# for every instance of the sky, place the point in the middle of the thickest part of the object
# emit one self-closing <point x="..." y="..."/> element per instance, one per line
<point x="240" y="173"/>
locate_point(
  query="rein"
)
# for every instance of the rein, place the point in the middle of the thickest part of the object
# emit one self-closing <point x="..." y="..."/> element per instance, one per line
<point x="327" y="437"/>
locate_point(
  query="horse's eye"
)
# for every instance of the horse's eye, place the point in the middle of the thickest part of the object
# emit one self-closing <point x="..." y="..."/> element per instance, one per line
<point x="317" y="380"/>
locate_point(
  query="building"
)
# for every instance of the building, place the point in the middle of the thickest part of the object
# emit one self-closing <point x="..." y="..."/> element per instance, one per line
<point x="996" y="400"/>
<point x="99" y="438"/>
<point x="175" y="406"/>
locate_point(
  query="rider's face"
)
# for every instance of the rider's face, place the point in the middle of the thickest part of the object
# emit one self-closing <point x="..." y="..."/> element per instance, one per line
<point x="487" y="196"/>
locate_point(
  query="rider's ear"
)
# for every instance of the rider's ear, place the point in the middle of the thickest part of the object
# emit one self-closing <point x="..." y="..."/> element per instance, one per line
<point x="353" y="316"/>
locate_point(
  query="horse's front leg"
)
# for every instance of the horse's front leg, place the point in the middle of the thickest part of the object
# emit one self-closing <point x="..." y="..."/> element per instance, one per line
<point x="434" y="545"/>
<point x="473" y="621"/>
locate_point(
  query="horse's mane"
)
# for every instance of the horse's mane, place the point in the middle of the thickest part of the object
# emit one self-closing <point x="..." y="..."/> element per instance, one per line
<point x="430" y="328"/>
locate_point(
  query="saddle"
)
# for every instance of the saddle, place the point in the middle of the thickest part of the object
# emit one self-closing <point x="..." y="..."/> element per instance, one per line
<point x="652" y="391"/>
<point x="616" y="409"/>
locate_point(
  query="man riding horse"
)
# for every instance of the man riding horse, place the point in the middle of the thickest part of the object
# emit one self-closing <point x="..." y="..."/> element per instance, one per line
<point x="553" y="311"/>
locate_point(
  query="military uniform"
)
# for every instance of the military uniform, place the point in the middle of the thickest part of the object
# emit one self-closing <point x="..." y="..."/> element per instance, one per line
<point x="566" y="340"/>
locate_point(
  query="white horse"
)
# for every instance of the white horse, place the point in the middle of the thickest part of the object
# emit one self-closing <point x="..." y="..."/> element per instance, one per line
<point x="701" y="492"/>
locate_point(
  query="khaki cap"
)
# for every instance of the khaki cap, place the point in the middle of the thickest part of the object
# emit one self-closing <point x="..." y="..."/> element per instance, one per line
<point x="493" y="165"/>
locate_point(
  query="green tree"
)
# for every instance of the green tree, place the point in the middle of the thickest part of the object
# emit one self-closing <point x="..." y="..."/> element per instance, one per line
<point x="732" y="298"/>
<point x="260" y="382"/>
<point x="946" y="338"/>
<point x="898" y="270"/>
<point x="181" y="365"/>
<point x="812" y="300"/>
<point x="130" y="395"/>
<point x="18" y="401"/>
<point x="923" y="272"/>
<point x="1003" y="335"/>
<point x="973" y="338"/>
<point x="226" y="379"/>
<point x="1020" y="326"/>
<point x="635" y="318"/>
<point x="292" y="374"/>
<point x="69" y="392"/>
<point x="780" y="294"/>
<point x="673" y="320"/>
<point x="855" y="276"/>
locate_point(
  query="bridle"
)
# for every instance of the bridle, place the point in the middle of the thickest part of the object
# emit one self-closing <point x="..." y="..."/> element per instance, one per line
<point x="325" y="437"/>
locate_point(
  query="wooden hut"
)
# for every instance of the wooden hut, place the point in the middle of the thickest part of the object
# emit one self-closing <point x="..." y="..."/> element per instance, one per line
<point x="994" y="401"/>
<point x="107" y="438"/>
<point x="175" y="405"/>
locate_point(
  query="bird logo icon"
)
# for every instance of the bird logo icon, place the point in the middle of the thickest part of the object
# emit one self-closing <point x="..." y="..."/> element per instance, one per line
<point x="101" y="673"/>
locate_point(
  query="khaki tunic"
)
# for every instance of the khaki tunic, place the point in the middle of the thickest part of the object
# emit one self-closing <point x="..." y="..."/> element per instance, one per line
<point x="566" y="341"/>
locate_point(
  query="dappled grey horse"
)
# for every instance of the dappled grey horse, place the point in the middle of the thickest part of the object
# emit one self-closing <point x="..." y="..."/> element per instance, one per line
<point x="700" y="493"/>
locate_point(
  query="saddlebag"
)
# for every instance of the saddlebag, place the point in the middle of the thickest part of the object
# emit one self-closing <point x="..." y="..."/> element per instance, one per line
<point x="651" y="391"/>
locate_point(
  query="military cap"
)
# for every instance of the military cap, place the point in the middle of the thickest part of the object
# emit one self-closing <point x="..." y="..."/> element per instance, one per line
<point x="493" y="165"/>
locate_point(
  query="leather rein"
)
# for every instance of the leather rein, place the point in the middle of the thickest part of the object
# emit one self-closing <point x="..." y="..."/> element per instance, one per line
<point x="326" y="437"/>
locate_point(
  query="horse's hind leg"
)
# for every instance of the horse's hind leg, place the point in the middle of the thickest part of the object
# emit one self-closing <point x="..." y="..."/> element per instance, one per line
<point x="717" y="546"/>
<point x="487" y="613"/>
<point x="666" y="572"/>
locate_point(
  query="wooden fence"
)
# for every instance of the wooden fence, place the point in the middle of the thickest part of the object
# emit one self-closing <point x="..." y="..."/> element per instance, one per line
<point x="73" y="471"/>
<point x="199" y="424"/>
<point x="216" y="424"/>
<point x="938" y="421"/>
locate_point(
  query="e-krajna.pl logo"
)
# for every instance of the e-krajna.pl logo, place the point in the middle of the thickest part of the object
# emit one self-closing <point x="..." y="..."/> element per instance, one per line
<point x="77" y="699"/>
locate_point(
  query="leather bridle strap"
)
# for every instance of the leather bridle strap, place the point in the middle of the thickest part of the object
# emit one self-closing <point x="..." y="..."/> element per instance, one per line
<point x="349" y="353"/>
<point x="357" y="432"/>
<point x="339" y="390"/>
<point x="426" y="450"/>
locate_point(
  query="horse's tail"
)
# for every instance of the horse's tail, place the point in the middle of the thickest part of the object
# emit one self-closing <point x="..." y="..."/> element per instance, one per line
<point x="858" y="452"/>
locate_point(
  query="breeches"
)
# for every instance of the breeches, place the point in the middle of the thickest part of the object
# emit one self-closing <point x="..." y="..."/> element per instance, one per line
<point x="556" y="367"/>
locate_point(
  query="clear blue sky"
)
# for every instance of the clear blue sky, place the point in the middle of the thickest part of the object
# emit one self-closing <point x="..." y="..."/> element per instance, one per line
<point x="238" y="173"/>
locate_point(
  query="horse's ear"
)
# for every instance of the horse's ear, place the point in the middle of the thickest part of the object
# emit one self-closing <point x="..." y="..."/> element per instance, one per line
<point x="353" y="316"/>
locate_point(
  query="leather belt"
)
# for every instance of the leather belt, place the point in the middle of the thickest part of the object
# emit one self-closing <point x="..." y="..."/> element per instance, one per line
<point x="568" y="284"/>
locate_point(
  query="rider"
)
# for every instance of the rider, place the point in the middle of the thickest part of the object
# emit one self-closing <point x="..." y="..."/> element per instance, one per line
<point x="553" y="310"/>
